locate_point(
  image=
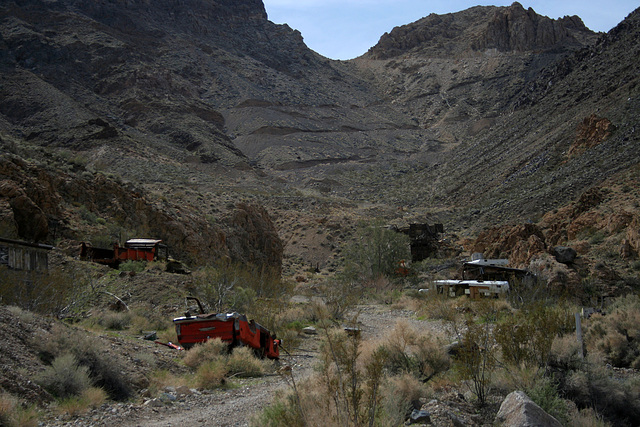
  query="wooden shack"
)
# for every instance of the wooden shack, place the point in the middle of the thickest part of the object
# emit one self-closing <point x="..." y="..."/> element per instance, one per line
<point x="19" y="255"/>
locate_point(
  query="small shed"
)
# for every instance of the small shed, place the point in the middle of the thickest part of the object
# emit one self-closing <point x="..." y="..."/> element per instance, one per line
<point x="20" y="255"/>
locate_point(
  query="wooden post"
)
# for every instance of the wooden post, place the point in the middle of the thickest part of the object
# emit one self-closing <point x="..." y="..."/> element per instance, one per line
<point x="579" y="334"/>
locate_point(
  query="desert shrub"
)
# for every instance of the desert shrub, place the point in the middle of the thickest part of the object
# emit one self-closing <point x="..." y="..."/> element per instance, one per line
<point x="256" y="292"/>
<point x="401" y="395"/>
<point x="282" y="412"/>
<point x="617" y="335"/>
<point x="104" y="369"/>
<point x="13" y="414"/>
<point x="617" y="399"/>
<point x="205" y="352"/>
<point x="116" y="321"/>
<point x="146" y="318"/>
<point x="65" y="377"/>
<point x="211" y="374"/>
<point x="53" y="292"/>
<point x="587" y="417"/>
<point x="527" y="335"/>
<point x="423" y="356"/>
<point x="545" y="393"/>
<point x="566" y="352"/>
<point x="476" y="359"/>
<point x="231" y="286"/>
<point x="90" y="398"/>
<point x="133" y="266"/>
<point x="242" y="362"/>
<point x="339" y="297"/>
<point x="374" y="251"/>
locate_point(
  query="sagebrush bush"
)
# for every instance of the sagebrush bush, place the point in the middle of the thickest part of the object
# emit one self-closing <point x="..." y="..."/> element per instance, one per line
<point x="617" y="335"/>
<point x="103" y="368"/>
<point x="422" y="355"/>
<point x="617" y="399"/>
<point x="65" y="377"/>
<point x="566" y="352"/>
<point x="587" y="417"/>
<point x="116" y="321"/>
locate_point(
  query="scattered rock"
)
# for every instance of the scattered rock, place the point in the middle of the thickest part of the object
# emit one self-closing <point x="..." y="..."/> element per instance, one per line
<point x="309" y="330"/>
<point x="419" y="417"/>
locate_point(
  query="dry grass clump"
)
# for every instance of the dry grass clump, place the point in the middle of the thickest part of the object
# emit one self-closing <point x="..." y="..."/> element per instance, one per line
<point x="587" y="417"/>
<point x="402" y="395"/>
<point x="242" y="362"/>
<point x="205" y="352"/>
<point x="213" y="363"/>
<point x="13" y="414"/>
<point x="90" y="398"/>
<point x="211" y="374"/>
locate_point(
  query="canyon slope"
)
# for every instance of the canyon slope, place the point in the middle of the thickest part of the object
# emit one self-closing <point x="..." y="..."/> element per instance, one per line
<point x="476" y="118"/>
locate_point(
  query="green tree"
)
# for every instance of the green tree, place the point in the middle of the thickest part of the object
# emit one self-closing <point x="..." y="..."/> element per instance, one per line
<point x="375" y="252"/>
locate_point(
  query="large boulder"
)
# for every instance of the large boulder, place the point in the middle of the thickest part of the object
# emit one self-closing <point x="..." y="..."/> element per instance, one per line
<point x="518" y="410"/>
<point x="564" y="254"/>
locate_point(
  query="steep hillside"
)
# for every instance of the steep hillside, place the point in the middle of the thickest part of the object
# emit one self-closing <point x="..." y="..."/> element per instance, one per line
<point x="465" y="118"/>
<point x="570" y="128"/>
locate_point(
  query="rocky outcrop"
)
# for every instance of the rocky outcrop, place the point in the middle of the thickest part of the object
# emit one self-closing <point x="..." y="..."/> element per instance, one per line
<point x="36" y="204"/>
<point x="505" y="29"/>
<point x="518" y="410"/>
<point x="592" y="131"/>
<point x="518" y="243"/>
<point x="516" y="29"/>
<point x="252" y="237"/>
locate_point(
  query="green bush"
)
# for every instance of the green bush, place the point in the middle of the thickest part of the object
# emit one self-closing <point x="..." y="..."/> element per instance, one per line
<point x="375" y="251"/>
<point x="545" y="393"/>
<point x="527" y="335"/>
<point x="133" y="266"/>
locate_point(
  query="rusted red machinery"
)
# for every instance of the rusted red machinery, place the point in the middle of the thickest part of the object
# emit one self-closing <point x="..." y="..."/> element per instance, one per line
<point x="232" y="328"/>
<point x="133" y="250"/>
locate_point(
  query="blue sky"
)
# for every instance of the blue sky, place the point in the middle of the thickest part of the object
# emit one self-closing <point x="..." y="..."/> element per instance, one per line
<point x="344" y="29"/>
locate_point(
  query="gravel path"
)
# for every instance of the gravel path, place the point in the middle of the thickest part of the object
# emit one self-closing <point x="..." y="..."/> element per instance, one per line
<point x="237" y="405"/>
